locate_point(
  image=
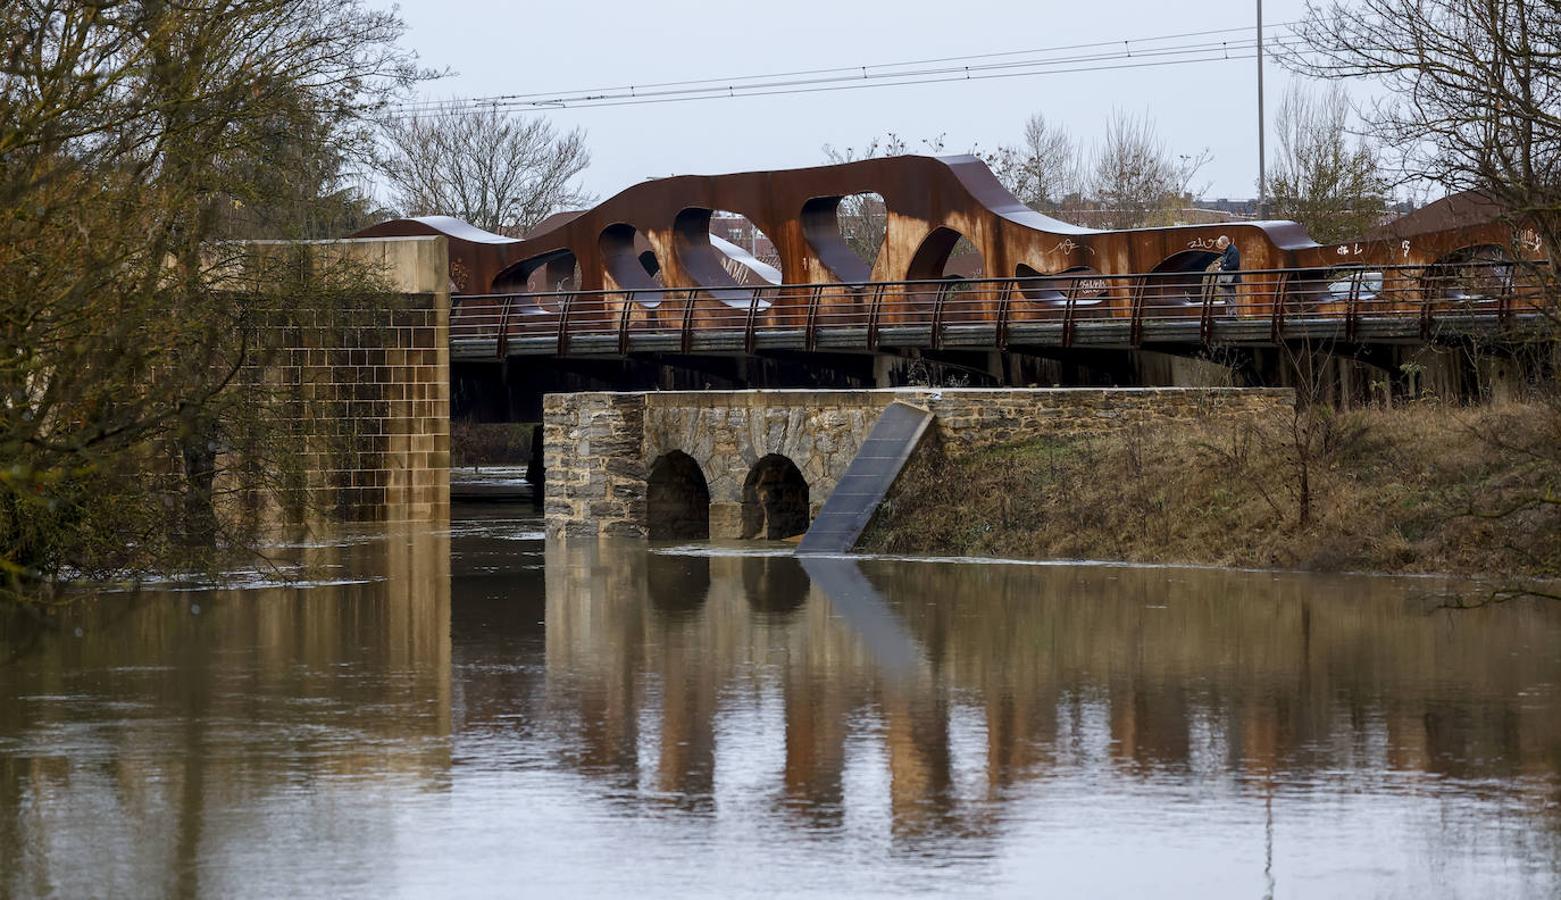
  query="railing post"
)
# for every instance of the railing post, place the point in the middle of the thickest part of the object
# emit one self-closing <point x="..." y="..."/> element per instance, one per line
<point x="750" y="340"/>
<point x="1352" y="304"/>
<point x="686" y="334"/>
<point x="1004" y="301"/>
<point x="1504" y="304"/>
<point x="938" y="300"/>
<point x="1206" y="314"/>
<point x="1070" y="303"/>
<point x="501" y="343"/>
<point x="874" y="315"/>
<point x="1276" y="326"/>
<point x="563" y="323"/>
<point x="623" y="322"/>
<point x="810" y="335"/>
<point x="1426" y="298"/>
<point x="1136" y="289"/>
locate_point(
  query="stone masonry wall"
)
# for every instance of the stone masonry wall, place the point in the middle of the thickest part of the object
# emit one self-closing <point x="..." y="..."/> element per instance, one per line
<point x="369" y="388"/>
<point x="599" y="446"/>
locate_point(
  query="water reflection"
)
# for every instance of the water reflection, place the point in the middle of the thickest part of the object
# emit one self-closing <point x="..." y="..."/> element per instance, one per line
<point x="969" y="688"/>
<point x="484" y="711"/>
<point x="145" y="739"/>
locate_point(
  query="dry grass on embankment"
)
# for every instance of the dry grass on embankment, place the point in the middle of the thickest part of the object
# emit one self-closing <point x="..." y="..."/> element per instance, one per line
<point x="1414" y="489"/>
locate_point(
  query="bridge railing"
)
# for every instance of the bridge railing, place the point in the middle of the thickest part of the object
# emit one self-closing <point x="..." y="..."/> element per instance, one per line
<point x="1051" y="309"/>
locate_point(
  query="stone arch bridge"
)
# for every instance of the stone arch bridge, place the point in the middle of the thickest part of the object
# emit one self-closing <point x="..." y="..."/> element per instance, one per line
<point x="688" y="465"/>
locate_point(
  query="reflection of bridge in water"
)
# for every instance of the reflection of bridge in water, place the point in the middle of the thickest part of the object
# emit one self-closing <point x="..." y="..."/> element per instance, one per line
<point x="961" y="685"/>
<point x="904" y="724"/>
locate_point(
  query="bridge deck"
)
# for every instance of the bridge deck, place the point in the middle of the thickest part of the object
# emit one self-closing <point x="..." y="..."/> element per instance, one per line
<point x="1116" y="335"/>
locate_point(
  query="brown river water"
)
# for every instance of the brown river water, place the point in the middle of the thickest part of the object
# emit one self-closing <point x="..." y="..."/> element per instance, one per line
<point x="473" y="711"/>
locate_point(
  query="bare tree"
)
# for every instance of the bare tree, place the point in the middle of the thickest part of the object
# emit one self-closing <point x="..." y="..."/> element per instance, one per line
<point x="1473" y="94"/>
<point x="1133" y="178"/>
<point x="1473" y="103"/>
<point x="501" y="173"/>
<point x="1044" y="169"/>
<point x="1320" y="178"/>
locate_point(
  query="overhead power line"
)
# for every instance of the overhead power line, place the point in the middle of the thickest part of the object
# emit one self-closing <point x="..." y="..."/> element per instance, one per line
<point x="1129" y="54"/>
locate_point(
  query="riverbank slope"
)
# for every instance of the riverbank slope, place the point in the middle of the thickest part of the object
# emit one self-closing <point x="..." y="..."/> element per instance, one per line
<point x="1423" y="488"/>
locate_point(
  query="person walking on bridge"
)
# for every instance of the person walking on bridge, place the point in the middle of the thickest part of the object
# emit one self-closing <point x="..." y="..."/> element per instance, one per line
<point x="1229" y="272"/>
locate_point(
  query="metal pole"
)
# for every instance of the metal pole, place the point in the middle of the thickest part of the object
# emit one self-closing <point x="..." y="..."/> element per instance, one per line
<point x="1262" y="156"/>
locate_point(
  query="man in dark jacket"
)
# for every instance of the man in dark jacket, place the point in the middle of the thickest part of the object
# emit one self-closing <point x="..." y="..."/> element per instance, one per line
<point x="1229" y="273"/>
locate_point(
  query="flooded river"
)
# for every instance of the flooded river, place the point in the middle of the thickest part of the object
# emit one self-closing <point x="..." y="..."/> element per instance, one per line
<point x="476" y="712"/>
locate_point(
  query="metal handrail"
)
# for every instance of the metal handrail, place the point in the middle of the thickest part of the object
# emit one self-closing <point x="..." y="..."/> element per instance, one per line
<point x="1350" y="294"/>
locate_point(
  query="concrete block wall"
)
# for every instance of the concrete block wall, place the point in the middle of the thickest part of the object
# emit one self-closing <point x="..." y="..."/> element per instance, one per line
<point x="599" y="446"/>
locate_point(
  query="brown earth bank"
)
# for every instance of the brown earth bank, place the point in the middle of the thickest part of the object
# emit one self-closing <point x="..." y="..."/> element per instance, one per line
<point x="1426" y="487"/>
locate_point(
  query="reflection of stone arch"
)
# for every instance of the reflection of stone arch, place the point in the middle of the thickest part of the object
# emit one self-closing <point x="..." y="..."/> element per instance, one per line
<point x="775" y="499"/>
<point x="776" y="586"/>
<point x="678" y="585"/>
<point x="677" y="499"/>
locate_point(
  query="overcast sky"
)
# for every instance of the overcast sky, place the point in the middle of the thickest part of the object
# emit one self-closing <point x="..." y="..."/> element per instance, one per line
<point x="496" y="48"/>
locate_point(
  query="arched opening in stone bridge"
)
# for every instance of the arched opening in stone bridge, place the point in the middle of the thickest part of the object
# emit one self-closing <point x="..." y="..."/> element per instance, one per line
<point x="677" y="499"/>
<point x="775" y="500"/>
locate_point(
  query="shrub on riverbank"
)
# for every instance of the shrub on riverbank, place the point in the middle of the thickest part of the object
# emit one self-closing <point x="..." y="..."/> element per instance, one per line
<point x="490" y="443"/>
<point x="1423" y="488"/>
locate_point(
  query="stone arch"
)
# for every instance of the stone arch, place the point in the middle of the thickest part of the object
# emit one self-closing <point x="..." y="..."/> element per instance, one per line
<point x="775" y="499"/>
<point x="677" y="499"/>
<point x="625" y="263"/>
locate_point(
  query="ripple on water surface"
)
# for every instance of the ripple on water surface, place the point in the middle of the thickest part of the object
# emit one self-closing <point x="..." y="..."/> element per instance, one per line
<point x="474" y="711"/>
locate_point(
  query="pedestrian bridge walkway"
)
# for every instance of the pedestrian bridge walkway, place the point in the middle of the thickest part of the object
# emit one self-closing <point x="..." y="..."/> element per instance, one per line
<point x="1385" y="304"/>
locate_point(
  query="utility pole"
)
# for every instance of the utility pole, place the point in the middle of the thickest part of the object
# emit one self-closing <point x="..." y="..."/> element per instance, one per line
<point x="1262" y="155"/>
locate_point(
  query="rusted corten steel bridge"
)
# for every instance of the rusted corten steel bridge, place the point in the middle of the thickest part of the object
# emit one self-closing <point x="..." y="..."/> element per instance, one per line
<point x="646" y="275"/>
